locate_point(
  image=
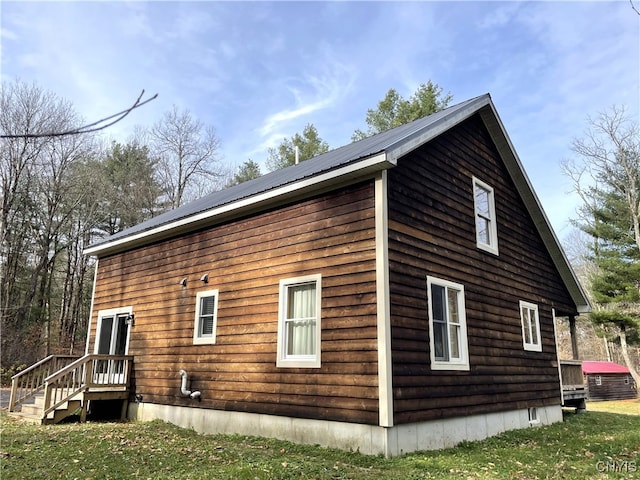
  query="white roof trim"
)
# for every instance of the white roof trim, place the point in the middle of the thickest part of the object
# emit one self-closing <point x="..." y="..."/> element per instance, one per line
<point x="534" y="206"/>
<point x="356" y="169"/>
<point x="415" y="140"/>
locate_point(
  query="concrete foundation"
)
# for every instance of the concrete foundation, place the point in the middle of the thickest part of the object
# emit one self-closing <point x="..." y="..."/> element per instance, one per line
<point x="367" y="439"/>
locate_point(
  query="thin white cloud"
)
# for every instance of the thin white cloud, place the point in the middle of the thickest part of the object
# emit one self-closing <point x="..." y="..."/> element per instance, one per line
<point x="317" y="92"/>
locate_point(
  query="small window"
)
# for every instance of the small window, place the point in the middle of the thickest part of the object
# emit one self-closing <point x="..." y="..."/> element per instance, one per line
<point x="206" y="317"/>
<point x="530" y="326"/>
<point x="626" y="380"/>
<point x="447" y="325"/>
<point x="299" y="322"/>
<point x="598" y="380"/>
<point x="485" y="215"/>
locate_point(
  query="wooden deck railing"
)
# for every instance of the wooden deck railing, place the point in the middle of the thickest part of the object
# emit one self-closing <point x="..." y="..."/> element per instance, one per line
<point x="29" y="382"/>
<point x="574" y="388"/>
<point x="571" y="374"/>
<point x="102" y="372"/>
<point x="89" y="372"/>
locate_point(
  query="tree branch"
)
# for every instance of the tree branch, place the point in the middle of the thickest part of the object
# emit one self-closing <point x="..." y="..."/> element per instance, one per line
<point x="634" y="7"/>
<point x="91" y="127"/>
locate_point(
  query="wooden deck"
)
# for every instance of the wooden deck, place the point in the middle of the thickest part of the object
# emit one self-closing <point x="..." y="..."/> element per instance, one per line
<point x="60" y="386"/>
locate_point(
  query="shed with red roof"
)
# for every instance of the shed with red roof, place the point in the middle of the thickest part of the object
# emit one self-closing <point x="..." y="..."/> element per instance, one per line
<point x="608" y="381"/>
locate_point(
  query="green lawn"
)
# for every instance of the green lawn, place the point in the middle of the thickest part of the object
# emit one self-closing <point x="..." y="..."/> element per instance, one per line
<point x="630" y="407"/>
<point x="589" y="445"/>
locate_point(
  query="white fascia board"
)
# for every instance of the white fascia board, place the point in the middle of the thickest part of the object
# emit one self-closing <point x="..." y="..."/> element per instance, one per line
<point x="534" y="206"/>
<point x="417" y="139"/>
<point x="302" y="187"/>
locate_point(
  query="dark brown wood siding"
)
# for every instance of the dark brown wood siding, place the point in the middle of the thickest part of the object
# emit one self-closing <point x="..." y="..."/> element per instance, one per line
<point x="332" y="235"/>
<point x="432" y="232"/>
<point x="613" y="386"/>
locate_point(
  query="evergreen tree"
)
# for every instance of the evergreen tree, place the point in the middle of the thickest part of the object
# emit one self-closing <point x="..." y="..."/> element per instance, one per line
<point x="607" y="178"/>
<point x="309" y="145"/>
<point x="247" y="171"/>
<point x="393" y="110"/>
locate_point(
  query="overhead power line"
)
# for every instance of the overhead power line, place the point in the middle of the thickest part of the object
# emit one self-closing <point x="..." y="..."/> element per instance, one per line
<point x="91" y="127"/>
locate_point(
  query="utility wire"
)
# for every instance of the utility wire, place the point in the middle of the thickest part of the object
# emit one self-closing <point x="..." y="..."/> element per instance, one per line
<point x="91" y="127"/>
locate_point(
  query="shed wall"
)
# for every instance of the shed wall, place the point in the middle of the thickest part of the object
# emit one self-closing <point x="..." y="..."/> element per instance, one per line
<point x="612" y="387"/>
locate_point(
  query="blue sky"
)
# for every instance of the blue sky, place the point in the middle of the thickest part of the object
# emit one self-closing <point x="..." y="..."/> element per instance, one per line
<point x="259" y="71"/>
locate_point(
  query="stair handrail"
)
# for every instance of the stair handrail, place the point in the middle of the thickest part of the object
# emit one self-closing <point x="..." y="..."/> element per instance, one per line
<point x="36" y="386"/>
<point x="74" y="385"/>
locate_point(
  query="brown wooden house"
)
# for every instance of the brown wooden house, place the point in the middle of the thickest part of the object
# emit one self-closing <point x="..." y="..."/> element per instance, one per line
<point x="608" y="381"/>
<point x="392" y="295"/>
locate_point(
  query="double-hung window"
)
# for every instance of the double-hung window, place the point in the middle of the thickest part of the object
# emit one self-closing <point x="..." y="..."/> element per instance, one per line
<point x="204" y="331"/>
<point x="530" y="326"/>
<point x="299" y="322"/>
<point x="485" y="215"/>
<point x="447" y="325"/>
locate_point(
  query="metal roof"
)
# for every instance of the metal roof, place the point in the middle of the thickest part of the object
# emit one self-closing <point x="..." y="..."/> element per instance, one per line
<point x="331" y="160"/>
<point x="336" y="167"/>
<point x="591" y="366"/>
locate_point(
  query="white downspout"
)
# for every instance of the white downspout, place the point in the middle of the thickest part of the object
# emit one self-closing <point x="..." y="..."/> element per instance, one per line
<point x="183" y="387"/>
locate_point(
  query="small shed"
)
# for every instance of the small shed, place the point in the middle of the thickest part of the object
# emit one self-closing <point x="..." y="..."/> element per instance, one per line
<point x="608" y="381"/>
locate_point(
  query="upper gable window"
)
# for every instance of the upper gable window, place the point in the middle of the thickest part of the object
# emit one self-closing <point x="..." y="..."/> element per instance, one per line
<point x="299" y="322"/>
<point x="485" y="215"/>
<point x="447" y="324"/>
<point x="530" y="326"/>
<point x="204" y="331"/>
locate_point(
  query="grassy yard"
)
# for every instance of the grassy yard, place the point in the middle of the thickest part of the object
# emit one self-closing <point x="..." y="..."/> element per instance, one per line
<point x="590" y="445"/>
<point x="629" y="407"/>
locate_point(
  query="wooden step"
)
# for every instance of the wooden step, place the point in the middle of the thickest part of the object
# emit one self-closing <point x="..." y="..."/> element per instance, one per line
<point x="73" y="407"/>
<point x="33" y="412"/>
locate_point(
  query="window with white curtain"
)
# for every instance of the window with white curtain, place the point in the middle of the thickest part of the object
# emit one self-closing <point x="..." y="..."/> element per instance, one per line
<point x="204" y="331"/>
<point x="299" y="322"/>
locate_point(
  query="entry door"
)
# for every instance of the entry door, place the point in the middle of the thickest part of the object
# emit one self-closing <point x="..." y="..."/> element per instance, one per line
<point x="113" y="339"/>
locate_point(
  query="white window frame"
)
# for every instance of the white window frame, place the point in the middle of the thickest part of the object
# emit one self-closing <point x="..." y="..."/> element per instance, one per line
<point x="115" y="313"/>
<point x="298" y="361"/>
<point x="490" y="219"/>
<point x="535" y="345"/>
<point x="198" y="337"/>
<point x="461" y="363"/>
<point x="598" y="381"/>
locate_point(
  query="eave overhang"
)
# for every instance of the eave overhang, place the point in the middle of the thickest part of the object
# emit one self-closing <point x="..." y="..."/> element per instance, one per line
<point x="331" y="179"/>
<point x="511" y="160"/>
<point x="355" y="164"/>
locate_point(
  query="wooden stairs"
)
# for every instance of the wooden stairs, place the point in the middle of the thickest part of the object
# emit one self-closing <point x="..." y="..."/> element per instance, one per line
<point x="58" y="387"/>
<point x="33" y="412"/>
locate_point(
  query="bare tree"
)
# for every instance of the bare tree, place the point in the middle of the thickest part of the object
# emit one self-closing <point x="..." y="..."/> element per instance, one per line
<point x="606" y="175"/>
<point x="39" y="219"/>
<point x="609" y="159"/>
<point x="187" y="154"/>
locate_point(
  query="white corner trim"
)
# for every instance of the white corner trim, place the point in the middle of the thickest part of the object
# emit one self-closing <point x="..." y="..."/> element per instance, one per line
<point x="93" y="297"/>
<point x="385" y="374"/>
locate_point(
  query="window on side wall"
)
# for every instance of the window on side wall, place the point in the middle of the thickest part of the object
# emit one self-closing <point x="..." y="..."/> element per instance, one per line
<point x="299" y="322"/>
<point x="598" y="380"/>
<point x="447" y="325"/>
<point x="485" y="217"/>
<point x="530" y="326"/>
<point x="206" y="320"/>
